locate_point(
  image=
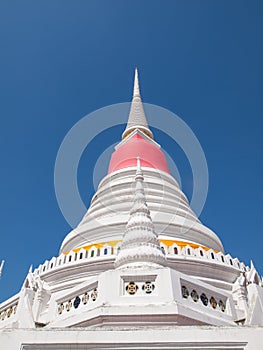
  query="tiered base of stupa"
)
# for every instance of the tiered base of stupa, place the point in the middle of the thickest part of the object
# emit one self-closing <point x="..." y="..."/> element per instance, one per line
<point x="127" y="308"/>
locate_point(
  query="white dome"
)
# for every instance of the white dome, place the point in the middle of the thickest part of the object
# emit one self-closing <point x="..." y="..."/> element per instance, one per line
<point x="170" y="211"/>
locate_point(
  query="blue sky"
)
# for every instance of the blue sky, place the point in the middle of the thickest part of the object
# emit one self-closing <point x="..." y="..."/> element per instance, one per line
<point x="61" y="60"/>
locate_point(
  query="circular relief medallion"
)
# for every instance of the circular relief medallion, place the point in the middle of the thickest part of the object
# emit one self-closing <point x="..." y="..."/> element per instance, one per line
<point x="76" y="302"/>
<point x="185" y="292"/>
<point x="69" y="305"/>
<point x="85" y="298"/>
<point x="194" y="295"/>
<point x="9" y="312"/>
<point x="213" y="302"/>
<point x="148" y="287"/>
<point x="204" y="299"/>
<point x="222" y="305"/>
<point x="94" y="294"/>
<point x="131" y="288"/>
<point x="60" y="308"/>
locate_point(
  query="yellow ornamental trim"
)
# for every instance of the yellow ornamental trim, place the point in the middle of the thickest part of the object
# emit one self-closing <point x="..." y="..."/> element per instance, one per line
<point x="182" y="244"/>
<point x="167" y="242"/>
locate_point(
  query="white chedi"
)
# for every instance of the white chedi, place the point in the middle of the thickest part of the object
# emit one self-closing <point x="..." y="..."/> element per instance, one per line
<point x="140" y="243"/>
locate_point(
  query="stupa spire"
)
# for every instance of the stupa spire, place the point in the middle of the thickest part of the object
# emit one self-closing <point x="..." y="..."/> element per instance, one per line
<point x="140" y="245"/>
<point x="137" y="118"/>
<point x="136" y="87"/>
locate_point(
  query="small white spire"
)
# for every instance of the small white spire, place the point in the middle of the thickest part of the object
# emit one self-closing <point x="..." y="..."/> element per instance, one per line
<point x="1" y="267"/>
<point x="137" y="119"/>
<point x="140" y="245"/>
<point x="252" y="274"/>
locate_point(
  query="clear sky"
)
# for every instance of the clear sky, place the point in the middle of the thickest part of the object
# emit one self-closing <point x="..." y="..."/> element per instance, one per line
<point x="61" y="60"/>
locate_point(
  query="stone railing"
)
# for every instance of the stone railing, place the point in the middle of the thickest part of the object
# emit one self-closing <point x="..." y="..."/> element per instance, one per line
<point x="8" y="311"/>
<point x="201" y="253"/>
<point x="74" y="302"/>
<point x="206" y="298"/>
<point x="107" y="251"/>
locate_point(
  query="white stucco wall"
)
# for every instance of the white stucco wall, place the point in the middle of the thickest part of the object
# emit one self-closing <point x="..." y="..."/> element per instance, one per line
<point x="248" y="338"/>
